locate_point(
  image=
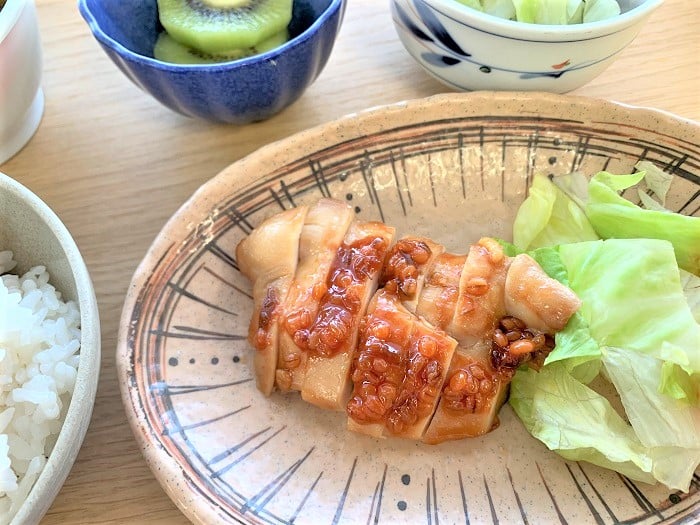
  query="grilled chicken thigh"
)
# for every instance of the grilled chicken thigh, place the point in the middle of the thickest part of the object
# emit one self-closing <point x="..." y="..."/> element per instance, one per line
<point x="325" y="226"/>
<point x="538" y="300"/>
<point x="409" y="340"/>
<point x="407" y="265"/>
<point x="352" y="281"/>
<point x="438" y="298"/>
<point x="268" y="257"/>
<point x="399" y="369"/>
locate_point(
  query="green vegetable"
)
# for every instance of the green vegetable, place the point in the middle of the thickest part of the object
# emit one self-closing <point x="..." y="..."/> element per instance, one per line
<point x="557" y="12"/>
<point x="663" y="444"/>
<point x="649" y="315"/>
<point x="637" y="326"/>
<point x="548" y="217"/>
<point x="613" y="216"/>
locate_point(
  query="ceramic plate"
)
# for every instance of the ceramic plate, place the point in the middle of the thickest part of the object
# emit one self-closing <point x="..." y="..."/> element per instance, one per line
<point x="453" y="167"/>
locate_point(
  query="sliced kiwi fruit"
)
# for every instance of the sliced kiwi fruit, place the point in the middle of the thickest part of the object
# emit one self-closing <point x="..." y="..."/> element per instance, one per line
<point x="167" y="49"/>
<point x="214" y="27"/>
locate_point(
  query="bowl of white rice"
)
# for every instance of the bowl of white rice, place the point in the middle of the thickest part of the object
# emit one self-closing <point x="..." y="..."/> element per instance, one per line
<point x="49" y="353"/>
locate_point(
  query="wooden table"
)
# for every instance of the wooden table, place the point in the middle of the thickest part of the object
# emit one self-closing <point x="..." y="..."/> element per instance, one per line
<point x="115" y="165"/>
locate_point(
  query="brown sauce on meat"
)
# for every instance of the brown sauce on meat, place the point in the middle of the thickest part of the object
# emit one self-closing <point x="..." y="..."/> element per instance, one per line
<point x="265" y="318"/>
<point x="354" y="265"/>
<point x="397" y="371"/>
<point x="400" y="273"/>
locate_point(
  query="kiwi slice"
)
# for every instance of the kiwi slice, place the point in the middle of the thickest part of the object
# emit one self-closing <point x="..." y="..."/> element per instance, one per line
<point x="214" y="27"/>
<point x="167" y="49"/>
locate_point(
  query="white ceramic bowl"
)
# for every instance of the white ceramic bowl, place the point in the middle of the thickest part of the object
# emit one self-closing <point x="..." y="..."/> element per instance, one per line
<point x="470" y="50"/>
<point x="30" y="229"/>
<point x="21" y="97"/>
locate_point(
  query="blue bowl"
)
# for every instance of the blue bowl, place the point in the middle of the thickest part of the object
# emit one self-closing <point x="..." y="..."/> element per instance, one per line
<point x="237" y="92"/>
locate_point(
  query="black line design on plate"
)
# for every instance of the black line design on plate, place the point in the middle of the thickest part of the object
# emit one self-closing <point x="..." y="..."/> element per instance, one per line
<point x="285" y="190"/>
<point x="692" y="198"/>
<point x="191" y="335"/>
<point x="277" y="199"/>
<point x="229" y="466"/>
<point x="594" y="511"/>
<point x="435" y="503"/>
<point x="374" y="500"/>
<point x="405" y="177"/>
<point x="481" y="157"/>
<point x="163" y="388"/>
<point x="198" y="299"/>
<point x="399" y="192"/>
<point x="428" y="508"/>
<point x="341" y="502"/>
<point x="532" y="143"/>
<point x="580" y="152"/>
<point x="639" y="497"/>
<point x="464" y="498"/>
<point x="231" y="450"/>
<point x="373" y="188"/>
<point x="381" y="495"/>
<point x="215" y="335"/>
<point x="240" y="220"/>
<point x="272" y="489"/>
<point x="319" y="178"/>
<point x="223" y="255"/>
<point x="562" y="520"/>
<point x="460" y="149"/>
<point x="181" y="429"/>
<point x="432" y="180"/>
<point x="306" y="497"/>
<point x="494" y="516"/>
<point x="431" y="505"/>
<point x="606" y="164"/>
<point x="365" y="170"/>
<point x="227" y="282"/>
<point x="517" y="498"/>
<point x="674" y="165"/>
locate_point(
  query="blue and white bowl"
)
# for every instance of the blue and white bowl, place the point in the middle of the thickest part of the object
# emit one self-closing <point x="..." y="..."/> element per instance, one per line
<point x="470" y="50"/>
<point x="237" y="92"/>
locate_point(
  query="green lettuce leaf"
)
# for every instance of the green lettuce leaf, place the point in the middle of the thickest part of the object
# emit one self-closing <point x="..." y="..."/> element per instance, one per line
<point x="582" y="425"/>
<point x="499" y="8"/>
<point x="574" y="344"/>
<point x="549" y="217"/>
<point x="612" y="216"/>
<point x="474" y="4"/>
<point x="691" y="290"/>
<point x="596" y="10"/>
<point x="649" y="315"/>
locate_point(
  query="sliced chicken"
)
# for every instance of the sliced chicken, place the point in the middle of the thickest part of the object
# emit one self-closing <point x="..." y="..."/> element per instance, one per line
<point x="541" y="302"/>
<point x="432" y="355"/>
<point x="406" y="267"/>
<point x="380" y="363"/>
<point x="480" y="303"/>
<point x="268" y="257"/>
<point x="471" y="397"/>
<point x="352" y="281"/>
<point x="438" y="298"/>
<point x="399" y="370"/>
<point x="325" y="226"/>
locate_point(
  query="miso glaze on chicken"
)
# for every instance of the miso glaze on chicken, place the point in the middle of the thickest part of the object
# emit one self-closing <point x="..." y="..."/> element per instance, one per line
<point x="409" y="340"/>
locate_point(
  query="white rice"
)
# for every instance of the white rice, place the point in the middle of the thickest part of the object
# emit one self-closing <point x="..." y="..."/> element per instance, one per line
<point x="39" y="343"/>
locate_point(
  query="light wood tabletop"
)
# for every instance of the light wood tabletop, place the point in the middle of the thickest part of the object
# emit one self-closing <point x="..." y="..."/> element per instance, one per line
<point x="115" y="165"/>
